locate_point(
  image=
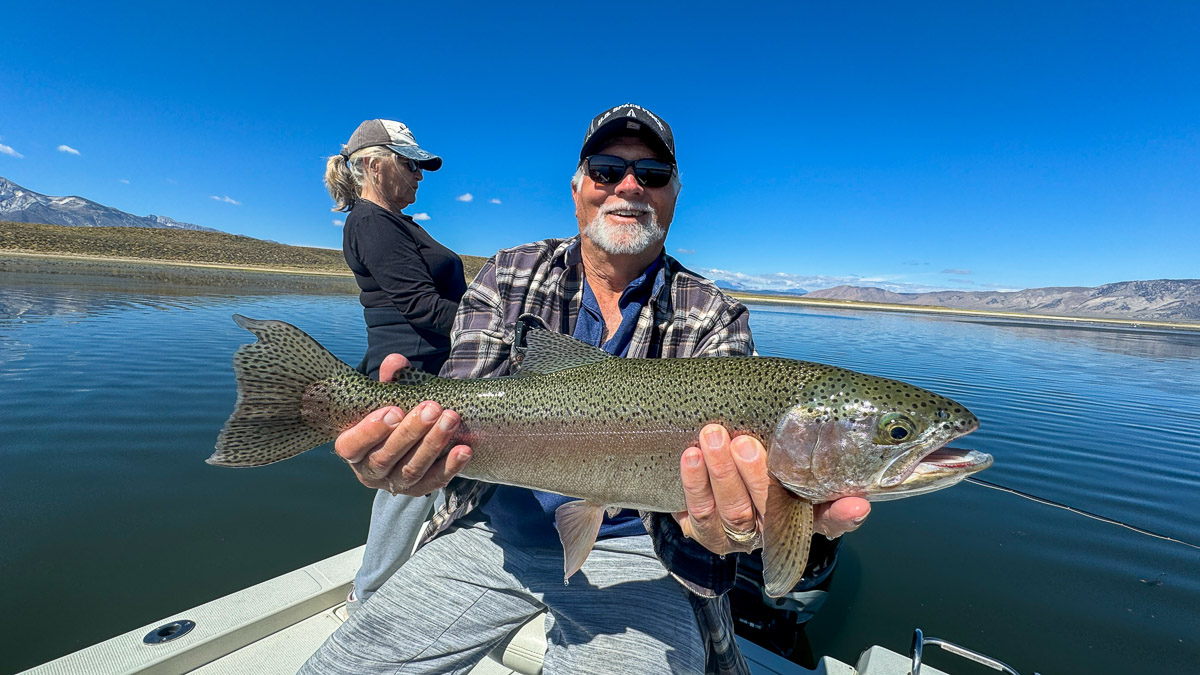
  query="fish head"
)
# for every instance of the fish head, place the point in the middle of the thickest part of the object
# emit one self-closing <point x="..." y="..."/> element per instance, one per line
<point x="850" y="434"/>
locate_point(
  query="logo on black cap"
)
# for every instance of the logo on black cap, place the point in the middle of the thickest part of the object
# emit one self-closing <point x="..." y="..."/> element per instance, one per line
<point x="605" y="126"/>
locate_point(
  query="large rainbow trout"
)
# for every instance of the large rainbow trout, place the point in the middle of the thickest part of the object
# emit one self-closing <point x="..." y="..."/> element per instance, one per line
<point x="610" y="431"/>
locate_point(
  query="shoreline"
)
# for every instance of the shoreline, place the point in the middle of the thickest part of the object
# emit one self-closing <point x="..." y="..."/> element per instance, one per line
<point x="930" y="309"/>
<point x="128" y="267"/>
<point x="75" y="257"/>
<point x="199" y="277"/>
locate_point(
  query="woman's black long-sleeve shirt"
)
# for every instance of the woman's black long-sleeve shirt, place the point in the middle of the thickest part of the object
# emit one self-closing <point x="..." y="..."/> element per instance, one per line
<point x="410" y="286"/>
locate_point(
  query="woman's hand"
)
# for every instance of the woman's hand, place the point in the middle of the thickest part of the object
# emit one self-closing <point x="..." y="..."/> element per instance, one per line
<point x="389" y="450"/>
<point x="725" y="486"/>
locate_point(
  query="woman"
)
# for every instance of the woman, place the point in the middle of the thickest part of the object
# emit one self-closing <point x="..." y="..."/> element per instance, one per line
<point x="410" y="289"/>
<point x="410" y="283"/>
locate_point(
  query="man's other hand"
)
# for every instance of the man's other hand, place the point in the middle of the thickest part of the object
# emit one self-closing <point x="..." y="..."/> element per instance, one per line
<point x="725" y="486"/>
<point x="389" y="450"/>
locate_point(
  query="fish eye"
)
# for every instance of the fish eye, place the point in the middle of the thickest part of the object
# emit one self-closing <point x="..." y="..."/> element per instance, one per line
<point x="896" y="428"/>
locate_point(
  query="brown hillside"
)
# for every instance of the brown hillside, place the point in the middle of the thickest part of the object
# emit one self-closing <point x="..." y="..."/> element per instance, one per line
<point x="178" y="246"/>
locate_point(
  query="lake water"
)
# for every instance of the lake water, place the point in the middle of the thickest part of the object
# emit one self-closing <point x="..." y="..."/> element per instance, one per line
<point x="112" y="393"/>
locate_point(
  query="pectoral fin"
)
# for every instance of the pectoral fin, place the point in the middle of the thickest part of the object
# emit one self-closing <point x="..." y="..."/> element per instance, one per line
<point x="578" y="524"/>
<point x="787" y="535"/>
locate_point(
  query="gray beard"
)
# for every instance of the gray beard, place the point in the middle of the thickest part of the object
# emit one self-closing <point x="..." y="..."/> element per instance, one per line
<point x="624" y="239"/>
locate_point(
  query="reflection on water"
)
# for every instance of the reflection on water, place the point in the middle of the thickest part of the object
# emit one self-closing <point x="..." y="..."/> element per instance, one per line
<point x="34" y="302"/>
<point x="1132" y="341"/>
<point x="114" y="393"/>
<point x="1150" y="343"/>
<point x="37" y="295"/>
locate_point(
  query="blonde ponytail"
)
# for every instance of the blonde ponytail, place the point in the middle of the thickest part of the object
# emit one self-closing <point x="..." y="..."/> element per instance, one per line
<point x="341" y="184"/>
<point x="343" y="177"/>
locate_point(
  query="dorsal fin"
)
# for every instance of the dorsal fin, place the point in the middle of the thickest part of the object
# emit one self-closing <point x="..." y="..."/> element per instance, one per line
<point x="543" y="351"/>
<point x="411" y="375"/>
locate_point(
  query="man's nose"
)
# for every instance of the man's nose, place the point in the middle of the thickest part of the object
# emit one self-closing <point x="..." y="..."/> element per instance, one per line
<point x="629" y="184"/>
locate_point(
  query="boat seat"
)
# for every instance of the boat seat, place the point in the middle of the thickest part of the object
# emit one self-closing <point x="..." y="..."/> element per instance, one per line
<point x="522" y="651"/>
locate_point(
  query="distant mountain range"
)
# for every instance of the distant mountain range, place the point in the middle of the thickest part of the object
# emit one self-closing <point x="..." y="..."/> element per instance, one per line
<point x="740" y="286"/>
<point x="1176" y="300"/>
<point x="21" y="205"/>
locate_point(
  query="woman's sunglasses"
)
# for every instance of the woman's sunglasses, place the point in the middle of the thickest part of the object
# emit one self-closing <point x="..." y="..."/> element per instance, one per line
<point x="610" y="169"/>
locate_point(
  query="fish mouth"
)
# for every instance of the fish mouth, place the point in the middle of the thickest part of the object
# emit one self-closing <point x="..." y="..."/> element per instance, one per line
<point x="939" y="468"/>
<point x="953" y="459"/>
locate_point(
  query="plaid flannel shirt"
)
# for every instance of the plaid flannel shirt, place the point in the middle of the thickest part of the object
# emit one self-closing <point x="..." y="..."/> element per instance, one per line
<point x="688" y="316"/>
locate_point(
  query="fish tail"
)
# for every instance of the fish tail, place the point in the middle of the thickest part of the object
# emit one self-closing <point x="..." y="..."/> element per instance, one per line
<point x="273" y="375"/>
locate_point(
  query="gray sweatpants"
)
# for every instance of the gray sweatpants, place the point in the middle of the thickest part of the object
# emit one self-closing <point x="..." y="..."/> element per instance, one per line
<point x="396" y="523"/>
<point x="465" y="591"/>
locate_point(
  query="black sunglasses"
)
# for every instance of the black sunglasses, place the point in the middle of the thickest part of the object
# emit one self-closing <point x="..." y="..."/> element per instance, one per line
<point x="411" y="163"/>
<point x="610" y="169"/>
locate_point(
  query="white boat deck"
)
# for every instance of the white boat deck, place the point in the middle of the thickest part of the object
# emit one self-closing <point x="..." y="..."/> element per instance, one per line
<point x="271" y="628"/>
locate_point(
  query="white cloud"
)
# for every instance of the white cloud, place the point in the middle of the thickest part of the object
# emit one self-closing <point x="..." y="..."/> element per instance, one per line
<point x="227" y="199"/>
<point x="961" y="272"/>
<point x="782" y="281"/>
<point x="68" y="149"/>
<point x="338" y="222"/>
<point x="7" y="150"/>
<point x="125" y="181"/>
<point x="493" y="201"/>
<point x="465" y="197"/>
<point x="685" y="251"/>
<point x="420" y="216"/>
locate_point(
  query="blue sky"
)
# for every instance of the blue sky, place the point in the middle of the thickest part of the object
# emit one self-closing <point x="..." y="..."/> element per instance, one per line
<point x="910" y="146"/>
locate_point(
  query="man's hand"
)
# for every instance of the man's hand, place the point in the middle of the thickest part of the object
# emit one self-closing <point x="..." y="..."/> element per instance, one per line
<point x="725" y="485"/>
<point x="400" y="453"/>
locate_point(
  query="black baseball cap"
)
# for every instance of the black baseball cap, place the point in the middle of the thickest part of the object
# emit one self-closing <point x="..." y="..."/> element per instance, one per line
<point x="629" y="119"/>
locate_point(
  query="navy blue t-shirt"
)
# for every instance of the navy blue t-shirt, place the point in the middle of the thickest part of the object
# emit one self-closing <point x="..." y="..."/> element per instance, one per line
<point x="526" y="517"/>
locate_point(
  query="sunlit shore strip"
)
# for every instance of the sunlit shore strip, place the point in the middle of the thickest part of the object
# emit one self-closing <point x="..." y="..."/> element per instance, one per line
<point x="744" y="297"/>
<point x="174" y="263"/>
<point x="930" y="309"/>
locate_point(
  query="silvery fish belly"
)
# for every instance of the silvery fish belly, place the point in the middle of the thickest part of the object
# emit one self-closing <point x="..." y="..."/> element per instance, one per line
<point x="610" y="431"/>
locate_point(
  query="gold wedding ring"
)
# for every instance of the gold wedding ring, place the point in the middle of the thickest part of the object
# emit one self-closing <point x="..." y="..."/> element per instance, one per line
<point x="739" y="537"/>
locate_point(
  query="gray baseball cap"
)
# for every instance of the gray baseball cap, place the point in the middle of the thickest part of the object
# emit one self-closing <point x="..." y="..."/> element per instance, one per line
<point x="396" y="136"/>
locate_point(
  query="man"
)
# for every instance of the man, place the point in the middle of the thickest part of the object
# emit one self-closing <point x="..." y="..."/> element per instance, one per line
<point x="492" y="559"/>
